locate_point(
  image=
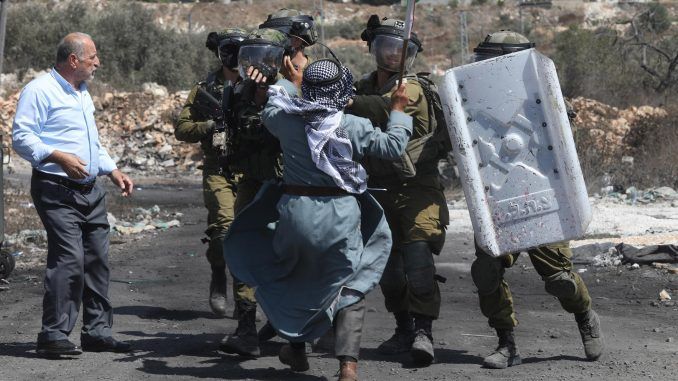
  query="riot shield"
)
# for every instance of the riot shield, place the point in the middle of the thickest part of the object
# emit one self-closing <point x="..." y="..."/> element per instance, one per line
<point x="515" y="151"/>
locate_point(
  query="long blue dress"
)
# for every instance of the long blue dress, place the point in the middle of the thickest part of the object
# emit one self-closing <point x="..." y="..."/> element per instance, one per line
<point x="309" y="257"/>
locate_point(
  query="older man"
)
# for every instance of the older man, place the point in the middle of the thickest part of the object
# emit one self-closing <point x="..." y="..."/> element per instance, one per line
<point x="54" y="130"/>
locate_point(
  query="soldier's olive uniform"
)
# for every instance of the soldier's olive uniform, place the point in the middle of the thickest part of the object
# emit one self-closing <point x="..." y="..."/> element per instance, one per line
<point x="552" y="262"/>
<point x="415" y="206"/>
<point x="219" y="190"/>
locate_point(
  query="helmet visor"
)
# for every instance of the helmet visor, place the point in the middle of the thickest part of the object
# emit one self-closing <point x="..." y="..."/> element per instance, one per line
<point x="267" y="58"/>
<point x="387" y="51"/>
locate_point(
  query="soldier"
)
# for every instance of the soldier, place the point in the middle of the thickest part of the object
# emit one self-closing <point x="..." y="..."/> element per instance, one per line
<point x="197" y="123"/>
<point x="256" y="154"/>
<point x="300" y="29"/>
<point x="411" y="194"/>
<point x="239" y="155"/>
<point x="552" y="262"/>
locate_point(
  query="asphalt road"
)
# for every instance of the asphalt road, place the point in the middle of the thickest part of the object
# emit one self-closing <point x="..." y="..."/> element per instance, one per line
<point x="160" y="285"/>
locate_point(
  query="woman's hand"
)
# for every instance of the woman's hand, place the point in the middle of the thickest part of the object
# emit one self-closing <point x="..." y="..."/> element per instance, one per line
<point x="399" y="99"/>
<point x="292" y="72"/>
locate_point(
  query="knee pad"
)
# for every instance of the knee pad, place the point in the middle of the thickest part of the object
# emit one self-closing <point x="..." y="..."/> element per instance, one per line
<point x="487" y="274"/>
<point x="561" y="284"/>
<point x="419" y="268"/>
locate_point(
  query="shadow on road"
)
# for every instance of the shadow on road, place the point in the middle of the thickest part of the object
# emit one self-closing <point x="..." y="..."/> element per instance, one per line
<point x="151" y="312"/>
<point x="166" y="344"/>
<point x="443" y="356"/>
<point x="534" y="360"/>
<point x="27" y="350"/>
<point x="227" y="369"/>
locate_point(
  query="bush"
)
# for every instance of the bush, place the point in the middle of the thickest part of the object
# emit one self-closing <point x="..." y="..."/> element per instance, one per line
<point x="132" y="48"/>
<point x="349" y="30"/>
<point x="590" y="64"/>
<point x="655" y="162"/>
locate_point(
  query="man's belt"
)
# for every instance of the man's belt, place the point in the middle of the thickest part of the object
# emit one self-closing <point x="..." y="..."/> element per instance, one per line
<point x="65" y="181"/>
<point x="302" y="190"/>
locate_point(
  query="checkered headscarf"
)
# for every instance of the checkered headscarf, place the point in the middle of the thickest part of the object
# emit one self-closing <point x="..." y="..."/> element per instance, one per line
<point x="322" y="110"/>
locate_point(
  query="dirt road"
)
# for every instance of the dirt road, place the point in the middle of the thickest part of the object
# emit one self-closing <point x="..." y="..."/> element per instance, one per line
<point x="159" y="290"/>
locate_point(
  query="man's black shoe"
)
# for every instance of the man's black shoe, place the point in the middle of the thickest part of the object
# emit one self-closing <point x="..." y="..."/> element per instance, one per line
<point x="104" y="344"/>
<point x="57" y="348"/>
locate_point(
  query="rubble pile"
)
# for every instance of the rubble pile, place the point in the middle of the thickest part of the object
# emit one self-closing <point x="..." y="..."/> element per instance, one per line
<point x="144" y="220"/>
<point x="137" y="128"/>
<point x="607" y="126"/>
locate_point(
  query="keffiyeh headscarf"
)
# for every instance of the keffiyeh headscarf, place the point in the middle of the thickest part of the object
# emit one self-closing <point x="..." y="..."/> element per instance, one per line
<point x="326" y="88"/>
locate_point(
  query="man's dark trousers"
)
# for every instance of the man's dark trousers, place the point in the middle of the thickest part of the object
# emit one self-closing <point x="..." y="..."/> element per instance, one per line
<point x="77" y="259"/>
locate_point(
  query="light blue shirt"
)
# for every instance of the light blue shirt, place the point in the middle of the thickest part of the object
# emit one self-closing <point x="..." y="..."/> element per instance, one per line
<point x="52" y="115"/>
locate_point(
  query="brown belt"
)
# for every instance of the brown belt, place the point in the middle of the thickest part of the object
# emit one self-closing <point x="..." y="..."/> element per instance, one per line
<point x="68" y="183"/>
<point x="302" y="190"/>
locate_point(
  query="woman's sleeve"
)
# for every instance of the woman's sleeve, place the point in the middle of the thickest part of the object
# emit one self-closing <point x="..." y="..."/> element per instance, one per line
<point x="271" y="114"/>
<point x="370" y="141"/>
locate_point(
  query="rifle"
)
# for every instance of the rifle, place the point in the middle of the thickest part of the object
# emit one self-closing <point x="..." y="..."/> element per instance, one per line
<point x="221" y="112"/>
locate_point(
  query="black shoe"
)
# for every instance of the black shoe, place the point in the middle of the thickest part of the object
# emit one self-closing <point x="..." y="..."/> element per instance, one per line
<point x="57" y="348"/>
<point x="104" y="344"/>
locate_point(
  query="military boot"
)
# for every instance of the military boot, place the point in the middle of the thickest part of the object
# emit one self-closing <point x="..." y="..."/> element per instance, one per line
<point x="422" y="347"/>
<point x="402" y="339"/>
<point x="266" y="333"/>
<point x="591" y="336"/>
<point x="294" y="355"/>
<point x="244" y="340"/>
<point x="218" y="290"/>
<point x="506" y="353"/>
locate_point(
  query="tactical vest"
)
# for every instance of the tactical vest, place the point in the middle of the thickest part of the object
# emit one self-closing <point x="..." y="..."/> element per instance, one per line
<point x="424" y="151"/>
<point x="253" y="151"/>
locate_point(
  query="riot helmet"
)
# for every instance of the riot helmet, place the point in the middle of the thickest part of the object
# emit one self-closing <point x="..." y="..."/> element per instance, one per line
<point x="385" y="40"/>
<point x="500" y="43"/>
<point x="263" y="49"/>
<point x="226" y="45"/>
<point x="294" y="24"/>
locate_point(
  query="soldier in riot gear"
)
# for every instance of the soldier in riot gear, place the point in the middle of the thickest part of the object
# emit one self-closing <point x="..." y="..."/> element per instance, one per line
<point x="255" y="153"/>
<point x="552" y="262"/>
<point x="198" y="122"/>
<point x="411" y="193"/>
<point x="239" y="155"/>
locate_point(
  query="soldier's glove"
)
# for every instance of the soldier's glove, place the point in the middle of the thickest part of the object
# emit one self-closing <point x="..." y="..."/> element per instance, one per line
<point x="210" y="126"/>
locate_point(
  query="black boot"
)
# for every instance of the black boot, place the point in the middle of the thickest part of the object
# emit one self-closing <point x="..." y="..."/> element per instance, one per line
<point x="401" y="341"/>
<point x="506" y="353"/>
<point x="422" y="347"/>
<point x="244" y="341"/>
<point x="218" y="290"/>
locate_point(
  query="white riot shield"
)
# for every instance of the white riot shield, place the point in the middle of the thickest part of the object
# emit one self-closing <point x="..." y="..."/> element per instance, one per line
<point x="515" y="152"/>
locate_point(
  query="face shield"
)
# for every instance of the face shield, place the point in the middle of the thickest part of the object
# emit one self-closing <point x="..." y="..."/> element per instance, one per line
<point x="228" y="51"/>
<point x="264" y="56"/>
<point x="387" y="51"/>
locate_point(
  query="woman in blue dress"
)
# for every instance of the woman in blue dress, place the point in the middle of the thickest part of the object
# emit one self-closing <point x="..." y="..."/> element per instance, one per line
<point x="318" y="243"/>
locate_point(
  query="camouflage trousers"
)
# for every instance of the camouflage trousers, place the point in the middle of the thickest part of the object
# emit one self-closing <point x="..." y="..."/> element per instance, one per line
<point x="224" y="198"/>
<point x="552" y="262"/>
<point x="417" y="215"/>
